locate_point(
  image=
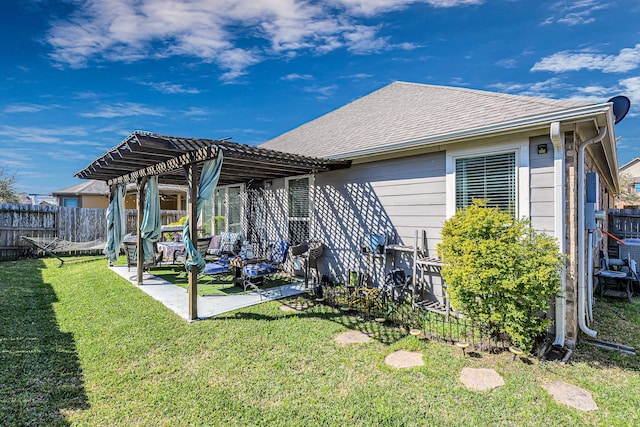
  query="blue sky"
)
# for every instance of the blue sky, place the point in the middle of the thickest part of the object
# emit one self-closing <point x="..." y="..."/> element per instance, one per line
<point x="78" y="76"/>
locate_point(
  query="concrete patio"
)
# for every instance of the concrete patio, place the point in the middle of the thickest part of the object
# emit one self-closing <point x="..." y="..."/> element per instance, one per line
<point x="176" y="298"/>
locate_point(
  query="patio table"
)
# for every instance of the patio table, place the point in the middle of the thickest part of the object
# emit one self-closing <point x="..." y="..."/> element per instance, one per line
<point x="169" y="249"/>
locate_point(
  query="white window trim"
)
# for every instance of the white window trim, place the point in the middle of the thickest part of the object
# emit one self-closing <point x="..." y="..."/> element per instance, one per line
<point x="243" y="224"/>
<point x="520" y="147"/>
<point x="311" y="200"/>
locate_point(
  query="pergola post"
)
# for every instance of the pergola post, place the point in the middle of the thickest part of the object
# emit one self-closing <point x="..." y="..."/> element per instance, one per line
<point x="141" y="186"/>
<point x="193" y="179"/>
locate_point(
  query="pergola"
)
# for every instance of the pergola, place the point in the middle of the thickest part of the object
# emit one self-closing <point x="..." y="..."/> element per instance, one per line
<point x="177" y="160"/>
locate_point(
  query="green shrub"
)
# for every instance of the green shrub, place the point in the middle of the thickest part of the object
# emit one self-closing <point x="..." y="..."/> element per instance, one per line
<point x="500" y="272"/>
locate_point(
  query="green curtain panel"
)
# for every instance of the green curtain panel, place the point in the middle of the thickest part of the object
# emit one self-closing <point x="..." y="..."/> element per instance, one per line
<point x="208" y="182"/>
<point x="116" y="223"/>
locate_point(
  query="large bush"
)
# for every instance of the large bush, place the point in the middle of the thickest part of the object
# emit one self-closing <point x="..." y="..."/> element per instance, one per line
<point x="500" y="272"/>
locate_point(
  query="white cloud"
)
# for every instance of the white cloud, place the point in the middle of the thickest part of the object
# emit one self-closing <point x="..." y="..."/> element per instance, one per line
<point x="170" y="88"/>
<point x="196" y="111"/>
<point x="35" y="135"/>
<point x="507" y="63"/>
<point x="322" y="92"/>
<point x="210" y="30"/>
<point x="296" y="76"/>
<point x="626" y="60"/>
<point x="544" y="89"/>
<point x="631" y="88"/>
<point x="373" y="7"/>
<point x="356" y="76"/>
<point x="573" y="12"/>
<point x="27" y="108"/>
<point x="122" y="109"/>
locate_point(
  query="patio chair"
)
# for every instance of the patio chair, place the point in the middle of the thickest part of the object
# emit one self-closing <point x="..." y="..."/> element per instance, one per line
<point x="130" y="250"/>
<point x="616" y="283"/>
<point x="202" y="245"/>
<point x="254" y="274"/>
<point x="217" y="268"/>
<point x="229" y="244"/>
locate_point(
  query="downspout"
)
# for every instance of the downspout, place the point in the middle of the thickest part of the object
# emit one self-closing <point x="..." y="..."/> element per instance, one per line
<point x="581" y="235"/>
<point x="559" y="229"/>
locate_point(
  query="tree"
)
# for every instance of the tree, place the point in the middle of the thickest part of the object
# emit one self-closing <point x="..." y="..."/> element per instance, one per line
<point x="500" y="272"/>
<point x="8" y="193"/>
<point x="628" y="194"/>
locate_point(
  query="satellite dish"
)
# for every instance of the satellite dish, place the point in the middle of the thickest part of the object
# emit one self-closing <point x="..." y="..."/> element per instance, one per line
<point x="621" y="105"/>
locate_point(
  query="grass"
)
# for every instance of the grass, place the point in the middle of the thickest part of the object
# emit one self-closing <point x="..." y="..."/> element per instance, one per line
<point x="81" y="346"/>
<point x="210" y="285"/>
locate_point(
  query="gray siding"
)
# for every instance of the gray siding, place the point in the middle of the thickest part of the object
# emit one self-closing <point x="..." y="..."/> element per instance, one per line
<point x="396" y="197"/>
<point x="541" y="197"/>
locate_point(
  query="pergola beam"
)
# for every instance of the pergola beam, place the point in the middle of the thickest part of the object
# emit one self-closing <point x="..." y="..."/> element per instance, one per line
<point x="169" y="165"/>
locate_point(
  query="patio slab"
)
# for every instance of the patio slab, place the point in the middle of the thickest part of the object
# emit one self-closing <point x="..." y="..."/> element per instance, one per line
<point x="176" y="298"/>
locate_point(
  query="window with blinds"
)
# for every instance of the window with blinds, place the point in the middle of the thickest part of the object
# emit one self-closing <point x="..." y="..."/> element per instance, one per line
<point x="298" y="190"/>
<point x="491" y="178"/>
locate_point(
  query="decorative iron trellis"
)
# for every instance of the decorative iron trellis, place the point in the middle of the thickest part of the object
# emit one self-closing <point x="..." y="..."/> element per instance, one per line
<point x="433" y="325"/>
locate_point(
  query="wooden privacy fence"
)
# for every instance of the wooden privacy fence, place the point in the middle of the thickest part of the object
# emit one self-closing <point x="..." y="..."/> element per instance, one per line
<point x="49" y="222"/>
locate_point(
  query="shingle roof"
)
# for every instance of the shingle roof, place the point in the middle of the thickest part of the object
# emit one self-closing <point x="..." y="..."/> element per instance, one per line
<point x="95" y="187"/>
<point x="408" y="111"/>
<point x="88" y="187"/>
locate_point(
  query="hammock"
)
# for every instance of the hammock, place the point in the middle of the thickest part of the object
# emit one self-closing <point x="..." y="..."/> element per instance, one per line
<point x="56" y="246"/>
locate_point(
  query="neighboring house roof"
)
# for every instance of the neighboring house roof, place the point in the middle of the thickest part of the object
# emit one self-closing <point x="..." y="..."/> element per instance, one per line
<point x="85" y="188"/>
<point x="403" y="112"/>
<point x="92" y="187"/>
<point x="630" y="164"/>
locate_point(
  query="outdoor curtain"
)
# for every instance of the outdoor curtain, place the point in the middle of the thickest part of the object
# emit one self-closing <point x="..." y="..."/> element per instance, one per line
<point x="208" y="181"/>
<point x="151" y="221"/>
<point x="116" y="223"/>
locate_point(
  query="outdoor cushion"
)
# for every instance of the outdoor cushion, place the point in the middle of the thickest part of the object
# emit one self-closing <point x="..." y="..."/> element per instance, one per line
<point x="212" y="268"/>
<point x="215" y="242"/>
<point x="259" y="269"/>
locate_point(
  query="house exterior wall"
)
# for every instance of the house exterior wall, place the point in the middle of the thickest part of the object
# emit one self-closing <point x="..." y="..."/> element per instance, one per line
<point x="100" y="202"/>
<point x="395" y="197"/>
<point x="399" y="196"/>
<point x="541" y="198"/>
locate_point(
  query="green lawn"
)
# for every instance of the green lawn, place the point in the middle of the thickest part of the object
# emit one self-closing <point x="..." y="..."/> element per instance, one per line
<point x="210" y="285"/>
<point x="81" y="346"/>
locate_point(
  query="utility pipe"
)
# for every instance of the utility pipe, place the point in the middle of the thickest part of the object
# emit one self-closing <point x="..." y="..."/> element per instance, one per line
<point x="559" y="229"/>
<point x="581" y="234"/>
<point x="589" y="292"/>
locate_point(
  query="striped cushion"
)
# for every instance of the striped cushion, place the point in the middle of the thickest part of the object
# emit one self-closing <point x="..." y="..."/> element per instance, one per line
<point x="260" y="269"/>
<point x="215" y="268"/>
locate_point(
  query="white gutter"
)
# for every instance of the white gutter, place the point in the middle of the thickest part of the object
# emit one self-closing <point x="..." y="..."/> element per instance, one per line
<point x="518" y="125"/>
<point x="581" y="234"/>
<point x="559" y="228"/>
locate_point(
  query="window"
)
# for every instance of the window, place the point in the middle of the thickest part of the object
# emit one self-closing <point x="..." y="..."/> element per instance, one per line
<point x="490" y="178"/>
<point x="299" y="212"/>
<point x="70" y="202"/>
<point x="636" y="188"/>
<point x="227" y="209"/>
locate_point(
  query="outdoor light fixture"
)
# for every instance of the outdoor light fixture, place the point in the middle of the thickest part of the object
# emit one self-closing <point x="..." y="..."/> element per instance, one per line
<point x="542" y="149"/>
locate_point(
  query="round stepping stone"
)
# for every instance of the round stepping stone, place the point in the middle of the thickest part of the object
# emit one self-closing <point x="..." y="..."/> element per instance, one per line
<point x="404" y="359"/>
<point x="352" y="337"/>
<point x="481" y="379"/>
<point x="571" y="395"/>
